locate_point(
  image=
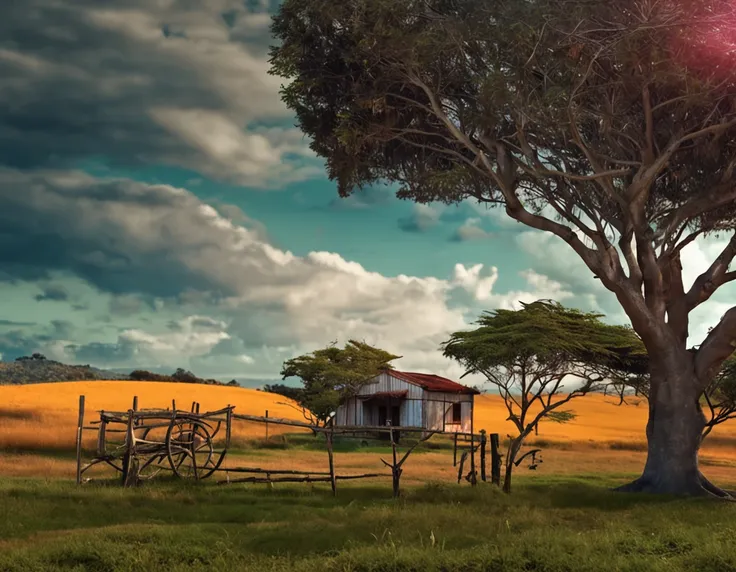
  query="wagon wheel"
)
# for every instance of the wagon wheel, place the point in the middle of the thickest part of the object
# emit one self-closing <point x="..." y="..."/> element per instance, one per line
<point x="189" y="448"/>
<point x="155" y="459"/>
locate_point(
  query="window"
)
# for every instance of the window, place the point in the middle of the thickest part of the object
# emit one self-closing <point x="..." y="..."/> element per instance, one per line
<point x="457" y="412"/>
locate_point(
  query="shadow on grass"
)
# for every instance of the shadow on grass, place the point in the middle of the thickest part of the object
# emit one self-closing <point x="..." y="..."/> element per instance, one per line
<point x="578" y="494"/>
<point x="18" y="414"/>
<point x="61" y="452"/>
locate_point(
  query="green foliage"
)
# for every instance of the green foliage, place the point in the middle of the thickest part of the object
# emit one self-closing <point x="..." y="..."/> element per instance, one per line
<point x="547" y="333"/>
<point x="293" y="393"/>
<point x="564" y="416"/>
<point x="332" y="374"/>
<point x="181" y="375"/>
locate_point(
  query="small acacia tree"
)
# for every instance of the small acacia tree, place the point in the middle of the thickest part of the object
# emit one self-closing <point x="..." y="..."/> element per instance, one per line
<point x="529" y="356"/>
<point x="611" y="125"/>
<point x="332" y="374"/>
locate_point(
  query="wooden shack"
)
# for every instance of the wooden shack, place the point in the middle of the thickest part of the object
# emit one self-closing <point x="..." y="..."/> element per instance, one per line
<point x="407" y="399"/>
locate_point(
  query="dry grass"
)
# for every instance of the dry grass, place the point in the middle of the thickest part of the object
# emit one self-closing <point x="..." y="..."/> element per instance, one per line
<point x="603" y="437"/>
<point x="43" y="416"/>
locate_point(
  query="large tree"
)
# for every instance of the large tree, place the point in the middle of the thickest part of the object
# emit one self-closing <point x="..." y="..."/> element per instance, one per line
<point x="332" y="374"/>
<point x="541" y="357"/>
<point x="611" y="125"/>
<point x="626" y="380"/>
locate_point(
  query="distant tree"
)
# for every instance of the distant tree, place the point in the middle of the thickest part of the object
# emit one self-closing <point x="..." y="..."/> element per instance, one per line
<point x="332" y="374"/>
<point x="233" y="383"/>
<point x="34" y="357"/>
<point x="293" y="393"/>
<point x="183" y="376"/>
<point x="143" y="375"/>
<point x="610" y="125"/>
<point x="529" y="355"/>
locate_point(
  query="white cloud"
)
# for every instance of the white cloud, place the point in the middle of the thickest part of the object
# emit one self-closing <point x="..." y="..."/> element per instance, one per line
<point x="470" y="230"/>
<point x="159" y="241"/>
<point x="422" y="218"/>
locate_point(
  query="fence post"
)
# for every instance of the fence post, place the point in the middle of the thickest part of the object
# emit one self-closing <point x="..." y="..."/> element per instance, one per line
<point x="483" y="443"/>
<point x="80" y="424"/>
<point x="266" y="424"/>
<point x="495" y="460"/>
<point x="473" y="479"/>
<point x="330" y="456"/>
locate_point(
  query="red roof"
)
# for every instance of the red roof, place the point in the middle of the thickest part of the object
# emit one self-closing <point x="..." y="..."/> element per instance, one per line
<point x="432" y="382"/>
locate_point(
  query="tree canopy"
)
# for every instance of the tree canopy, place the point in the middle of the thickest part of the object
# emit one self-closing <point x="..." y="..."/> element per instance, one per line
<point x="332" y="374"/>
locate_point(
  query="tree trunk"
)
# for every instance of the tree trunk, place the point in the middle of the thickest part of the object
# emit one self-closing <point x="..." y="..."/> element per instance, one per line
<point x="507" y="478"/>
<point x="514" y="447"/>
<point x="674" y="430"/>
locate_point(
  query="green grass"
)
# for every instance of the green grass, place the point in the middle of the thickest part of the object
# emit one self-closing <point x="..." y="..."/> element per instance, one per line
<point x="546" y="525"/>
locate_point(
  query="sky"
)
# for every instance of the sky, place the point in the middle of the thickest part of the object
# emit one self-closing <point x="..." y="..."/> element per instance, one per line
<point x="159" y="209"/>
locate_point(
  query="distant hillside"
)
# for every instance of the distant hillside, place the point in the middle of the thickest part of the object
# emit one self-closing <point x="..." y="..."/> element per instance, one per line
<point x="37" y="369"/>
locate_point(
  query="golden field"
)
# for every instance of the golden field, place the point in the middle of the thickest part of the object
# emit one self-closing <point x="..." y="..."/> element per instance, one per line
<point x="44" y="416"/>
<point x="604" y="437"/>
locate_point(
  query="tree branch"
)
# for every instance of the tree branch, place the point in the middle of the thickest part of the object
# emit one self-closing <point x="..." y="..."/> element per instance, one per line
<point x="713" y="278"/>
<point x="717" y="348"/>
<point x="604" y="264"/>
<point x="692" y="209"/>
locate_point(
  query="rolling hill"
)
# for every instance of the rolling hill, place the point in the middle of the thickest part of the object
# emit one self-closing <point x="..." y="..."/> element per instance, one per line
<point x="43" y="416"/>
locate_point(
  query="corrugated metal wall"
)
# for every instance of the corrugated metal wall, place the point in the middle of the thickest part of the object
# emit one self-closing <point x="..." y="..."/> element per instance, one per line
<point x="437" y="403"/>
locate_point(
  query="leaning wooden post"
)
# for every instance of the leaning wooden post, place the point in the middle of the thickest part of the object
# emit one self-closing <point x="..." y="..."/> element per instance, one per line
<point x="454" y="450"/>
<point x="228" y="426"/>
<point x="80" y="424"/>
<point x="473" y="480"/>
<point x="495" y="460"/>
<point x="130" y="468"/>
<point x="135" y="405"/>
<point x="330" y="456"/>
<point x="395" y="469"/>
<point x="460" y="468"/>
<point x="483" y="443"/>
<point x="101" y="436"/>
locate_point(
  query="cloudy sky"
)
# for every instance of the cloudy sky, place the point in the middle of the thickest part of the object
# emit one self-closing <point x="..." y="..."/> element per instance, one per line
<point x="159" y="209"/>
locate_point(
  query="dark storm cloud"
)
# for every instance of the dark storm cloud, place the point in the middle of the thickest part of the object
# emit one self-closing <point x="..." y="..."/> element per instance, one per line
<point x="14" y="324"/>
<point x="104" y="353"/>
<point x="17" y="343"/>
<point x="121" y="236"/>
<point x="140" y="82"/>
<point x="53" y="293"/>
